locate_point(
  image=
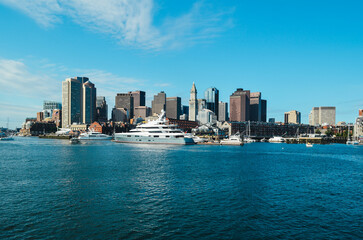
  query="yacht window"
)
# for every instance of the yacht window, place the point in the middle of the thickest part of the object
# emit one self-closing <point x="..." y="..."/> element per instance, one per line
<point x="156" y="136"/>
<point x="137" y="136"/>
<point x="128" y="135"/>
<point x="167" y="136"/>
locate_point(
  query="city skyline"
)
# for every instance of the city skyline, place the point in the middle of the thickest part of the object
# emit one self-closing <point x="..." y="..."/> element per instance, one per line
<point x="298" y="60"/>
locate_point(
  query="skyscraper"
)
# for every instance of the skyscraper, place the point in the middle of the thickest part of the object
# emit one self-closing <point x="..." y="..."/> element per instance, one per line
<point x="240" y="105"/>
<point x="263" y="110"/>
<point x="193" y="104"/>
<point x="72" y="100"/>
<point x="173" y="107"/>
<point x="159" y="103"/>
<point x="139" y="98"/>
<point x="101" y="109"/>
<point x="255" y="107"/>
<point x="89" y="102"/>
<point x="293" y="117"/>
<point x="211" y="96"/>
<point x="222" y="111"/>
<point x="125" y="101"/>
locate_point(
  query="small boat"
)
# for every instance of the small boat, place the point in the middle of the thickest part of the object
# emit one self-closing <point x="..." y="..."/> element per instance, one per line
<point x="8" y="138"/>
<point x="309" y="145"/>
<point x="276" y="139"/>
<point x="248" y="140"/>
<point x="74" y="140"/>
<point x="232" y="140"/>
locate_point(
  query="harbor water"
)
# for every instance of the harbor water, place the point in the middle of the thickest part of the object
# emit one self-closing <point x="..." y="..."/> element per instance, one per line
<point x="50" y="189"/>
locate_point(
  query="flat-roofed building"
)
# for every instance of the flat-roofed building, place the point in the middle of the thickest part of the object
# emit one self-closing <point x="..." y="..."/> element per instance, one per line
<point x="239" y="105"/>
<point x="263" y="110"/>
<point x="211" y="96"/>
<point x="255" y="107"/>
<point x="159" y="103"/>
<point x="126" y="102"/>
<point x="173" y="107"/>
<point x="222" y="111"/>
<point x="292" y="117"/>
<point x="322" y="116"/>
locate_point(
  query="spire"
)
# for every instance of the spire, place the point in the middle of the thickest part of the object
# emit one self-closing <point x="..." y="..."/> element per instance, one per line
<point x="194" y="89"/>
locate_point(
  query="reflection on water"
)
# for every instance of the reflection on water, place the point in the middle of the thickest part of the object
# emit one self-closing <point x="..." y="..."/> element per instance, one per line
<point x="54" y="189"/>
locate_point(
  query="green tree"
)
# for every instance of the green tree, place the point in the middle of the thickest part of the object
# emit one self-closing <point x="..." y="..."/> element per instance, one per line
<point x="317" y="131"/>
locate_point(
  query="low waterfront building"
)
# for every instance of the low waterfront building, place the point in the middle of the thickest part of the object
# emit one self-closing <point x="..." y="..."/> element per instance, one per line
<point x="184" y="125"/>
<point x="268" y="130"/>
<point x="79" y="127"/>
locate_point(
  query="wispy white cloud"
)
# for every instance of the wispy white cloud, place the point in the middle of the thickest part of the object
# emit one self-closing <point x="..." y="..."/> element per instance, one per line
<point x="131" y="22"/>
<point x="17" y="79"/>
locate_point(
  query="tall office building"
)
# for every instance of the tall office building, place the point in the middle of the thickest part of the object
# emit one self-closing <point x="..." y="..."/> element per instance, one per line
<point x="49" y="106"/>
<point x="159" y="103"/>
<point x="255" y="107"/>
<point x="202" y="104"/>
<point x="292" y="117"/>
<point x="126" y="102"/>
<point x="211" y="96"/>
<point x="101" y="109"/>
<point x="263" y="110"/>
<point x="193" y="104"/>
<point x="72" y="100"/>
<point x="173" y="107"/>
<point x="222" y="111"/>
<point x="142" y="111"/>
<point x="322" y="116"/>
<point x="139" y="98"/>
<point x="89" y="102"/>
<point x="239" y="105"/>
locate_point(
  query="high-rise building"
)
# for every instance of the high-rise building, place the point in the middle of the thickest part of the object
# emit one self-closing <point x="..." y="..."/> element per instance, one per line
<point x="89" y="103"/>
<point x="193" y="104"/>
<point x="360" y="112"/>
<point x="202" y="104"/>
<point x="293" y="117"/>
<point x="142" y="111"/>
<point x="101" y="109"/>
<point x="206" y="116"/>
<point x="263" y="110"/>
<point x="322" y="116"/>
<point x="173" y="107"/>
<point x="125" y="101"/>
<point x="255" y="107"/>
<point x="211" y="96"/>
<point x="271" y="120"/>
<point x="120" y="115"/>
<point x="240" y="105"/>
<point x="159" y="103"/>
<point x="139" y="98"/>
<point x="49" y="106"/>
<point x="222" y="111"/>
<point x="72" y="100"/>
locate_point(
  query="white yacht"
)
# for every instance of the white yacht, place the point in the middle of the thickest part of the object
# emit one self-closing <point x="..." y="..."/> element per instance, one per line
<point x="94" y="136"/>
<point x="276" y="140"/>
<point x="157" y="132"/>
<point x="232" y="140"/>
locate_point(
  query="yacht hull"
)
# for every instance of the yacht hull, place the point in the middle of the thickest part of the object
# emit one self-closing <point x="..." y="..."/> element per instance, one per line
<point x="153" y="140"/>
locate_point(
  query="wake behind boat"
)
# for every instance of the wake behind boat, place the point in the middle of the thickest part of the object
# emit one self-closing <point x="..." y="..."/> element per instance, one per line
<point x="155" y="132"/>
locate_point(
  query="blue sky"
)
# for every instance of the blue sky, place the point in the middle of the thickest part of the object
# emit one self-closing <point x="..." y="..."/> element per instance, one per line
<point x="299" y="54"/>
